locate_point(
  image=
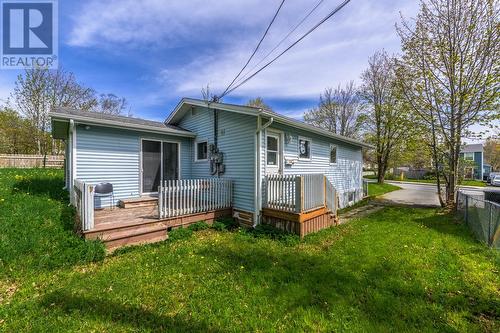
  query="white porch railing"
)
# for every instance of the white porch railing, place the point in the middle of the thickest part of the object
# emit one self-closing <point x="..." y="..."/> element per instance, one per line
<point x="84" y="203"/>
<point x="298" y="193"/>
<point x="189" y="196"/>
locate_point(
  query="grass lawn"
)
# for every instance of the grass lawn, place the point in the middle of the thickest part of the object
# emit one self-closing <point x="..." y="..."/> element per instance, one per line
<point x="400" y="270"/>
<point x="375" y="189"/>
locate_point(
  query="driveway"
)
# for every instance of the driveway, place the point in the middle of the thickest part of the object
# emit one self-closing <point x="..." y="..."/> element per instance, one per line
<point x="412" y="194"/>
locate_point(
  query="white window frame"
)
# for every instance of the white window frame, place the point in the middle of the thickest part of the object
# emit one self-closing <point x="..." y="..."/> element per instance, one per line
<point x="310" y="148"/>
<point x="196" y="143"/>
<point x="336" y="154"/>
<point x="277" y="167"/>
<point x="470" y="154"/>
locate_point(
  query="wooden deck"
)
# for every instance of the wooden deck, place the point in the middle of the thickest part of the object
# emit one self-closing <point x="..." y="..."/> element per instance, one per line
<point x="119" y="227"/>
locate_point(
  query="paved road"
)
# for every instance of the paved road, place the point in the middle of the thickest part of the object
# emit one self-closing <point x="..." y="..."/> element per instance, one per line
<point x="413" y="194"/>
<point x="424" y="194"/>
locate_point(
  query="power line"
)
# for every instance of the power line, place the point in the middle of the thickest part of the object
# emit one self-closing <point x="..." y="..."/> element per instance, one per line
<point x="282" y="40"/>
<point x="256" y="48"/>
<point x="333" y="12"/>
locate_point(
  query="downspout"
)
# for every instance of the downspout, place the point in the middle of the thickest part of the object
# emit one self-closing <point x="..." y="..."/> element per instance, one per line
<point x="258" y="162"/>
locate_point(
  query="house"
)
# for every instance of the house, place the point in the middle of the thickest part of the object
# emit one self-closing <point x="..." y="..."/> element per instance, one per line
<point x="473" y="152"/>
<point x="207" y="157"/>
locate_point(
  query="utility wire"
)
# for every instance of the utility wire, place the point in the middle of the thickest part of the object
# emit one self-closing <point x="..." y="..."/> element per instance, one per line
<point x="282" y="40"/>
<point x="333" y="12"/>
<point x="255" y="51"/>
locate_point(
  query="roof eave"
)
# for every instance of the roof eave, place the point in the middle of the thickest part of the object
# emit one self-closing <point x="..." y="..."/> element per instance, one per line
<point x="306" y="127"/>
<point x="118" y="124"/>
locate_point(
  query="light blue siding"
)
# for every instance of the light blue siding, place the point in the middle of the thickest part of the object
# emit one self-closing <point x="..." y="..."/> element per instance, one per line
<point x="236" y="141"/>
<point x="345" y="175"/>
<point x="113" y="155"/>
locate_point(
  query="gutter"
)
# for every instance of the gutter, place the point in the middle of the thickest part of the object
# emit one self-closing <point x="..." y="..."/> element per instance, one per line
<point x="258" y="171"/>
<point x="116" y="124"/>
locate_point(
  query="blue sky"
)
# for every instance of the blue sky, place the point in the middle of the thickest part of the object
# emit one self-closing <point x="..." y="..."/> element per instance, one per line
<point x="154" y="52"/>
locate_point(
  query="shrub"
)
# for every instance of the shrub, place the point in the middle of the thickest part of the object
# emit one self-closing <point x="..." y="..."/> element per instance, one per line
<point x="202" y="225"/>
<point x="179" y="234"/>
<point x="219" y="226"/>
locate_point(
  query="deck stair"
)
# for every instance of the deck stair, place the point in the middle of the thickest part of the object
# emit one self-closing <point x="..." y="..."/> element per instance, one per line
<point x="117" y="234"/>
<point x="145" y="201"/>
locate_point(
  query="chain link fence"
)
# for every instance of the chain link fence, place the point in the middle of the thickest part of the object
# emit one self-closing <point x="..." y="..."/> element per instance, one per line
<point x="481" y="216"/>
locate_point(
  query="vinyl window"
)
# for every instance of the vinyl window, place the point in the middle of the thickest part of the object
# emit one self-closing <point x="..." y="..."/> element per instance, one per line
<point x="201" y="151"/>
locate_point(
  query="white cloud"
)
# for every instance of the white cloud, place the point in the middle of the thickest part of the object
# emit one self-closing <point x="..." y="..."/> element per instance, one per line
<point x="337" y="52"/>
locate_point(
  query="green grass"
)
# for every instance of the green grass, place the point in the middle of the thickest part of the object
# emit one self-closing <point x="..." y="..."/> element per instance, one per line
<point x="399" y="270"/>
<point x="375" y="189"/>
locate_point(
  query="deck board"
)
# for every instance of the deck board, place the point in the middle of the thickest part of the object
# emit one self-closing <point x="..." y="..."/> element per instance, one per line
<point x="125" y="215"/>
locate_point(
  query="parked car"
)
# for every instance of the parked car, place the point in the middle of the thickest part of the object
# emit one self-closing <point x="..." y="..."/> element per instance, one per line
<point x="491" y="176"/>
<point x="495" y="180"/>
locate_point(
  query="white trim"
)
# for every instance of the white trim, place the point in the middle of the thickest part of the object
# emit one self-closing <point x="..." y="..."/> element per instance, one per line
<point x="336" y="154"/>
<point x="280" y="152"/>
<point x="73" y="159"/>
<point x="161" y="161"/>
<point x="303" y="138"/>
<point x="196" y="151"/>
<point x="55" y="116"/>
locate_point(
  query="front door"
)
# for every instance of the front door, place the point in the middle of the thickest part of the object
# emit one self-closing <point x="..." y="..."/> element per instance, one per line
<point x="160" y="161"/>
<point x="273" y="153"/>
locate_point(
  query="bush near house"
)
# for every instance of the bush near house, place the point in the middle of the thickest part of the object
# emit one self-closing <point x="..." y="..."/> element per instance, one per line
<point x="400" y="269"/>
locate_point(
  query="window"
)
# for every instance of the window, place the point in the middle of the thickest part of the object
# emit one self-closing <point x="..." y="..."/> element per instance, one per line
<point x="201" y="151"/>
<point x="333" y="154"/>
<point x="272" y="150"/>
<point x="304" y="148"/>
<point x="469" y="156"/>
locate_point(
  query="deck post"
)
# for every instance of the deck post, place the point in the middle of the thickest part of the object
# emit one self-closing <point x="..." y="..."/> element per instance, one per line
<point x="298" y="194"/>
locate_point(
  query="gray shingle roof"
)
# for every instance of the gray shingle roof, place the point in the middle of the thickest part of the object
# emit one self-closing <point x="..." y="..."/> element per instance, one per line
<point x="123" y="119"/>
<point x="472" y="148"/>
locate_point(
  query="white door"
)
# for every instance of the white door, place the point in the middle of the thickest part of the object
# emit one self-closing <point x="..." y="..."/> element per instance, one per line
<point x="274" y="153"/>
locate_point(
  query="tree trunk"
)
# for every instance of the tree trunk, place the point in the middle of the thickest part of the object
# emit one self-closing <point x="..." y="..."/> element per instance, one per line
<point x="380" y="170"/>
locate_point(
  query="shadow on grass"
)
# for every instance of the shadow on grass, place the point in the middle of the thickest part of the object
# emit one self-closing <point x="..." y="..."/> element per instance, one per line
<point x="51" y="187"/>
<point x="108" y="310"/>
<point x="384" y="293"/>
<point x="441" y="223"/>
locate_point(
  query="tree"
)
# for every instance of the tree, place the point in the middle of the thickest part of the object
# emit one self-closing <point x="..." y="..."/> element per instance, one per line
<point x="450" y="75"/>
<point x="387" y="119"/>
<point x="111" y="104"/>
<point x="40" y="90"/>
<point x="339" y="111"/>
<point x="16" y="133"/>
<point x="258" y="102"/>
<point x="492" y="153"/>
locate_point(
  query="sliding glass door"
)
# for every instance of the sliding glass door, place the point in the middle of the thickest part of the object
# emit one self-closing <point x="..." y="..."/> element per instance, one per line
<point x="160" y="161"/>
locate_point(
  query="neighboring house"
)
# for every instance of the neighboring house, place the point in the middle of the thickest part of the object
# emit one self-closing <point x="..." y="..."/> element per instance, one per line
<point x="474" y="152"/>
<point x="201" y="140"/>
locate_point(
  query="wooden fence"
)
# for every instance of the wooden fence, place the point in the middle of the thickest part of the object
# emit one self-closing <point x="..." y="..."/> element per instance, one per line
<point x="298" y="193"/>
<point x="190" y="196"/>
<point x="84" y="204"/>
<point x="31" y="161"/>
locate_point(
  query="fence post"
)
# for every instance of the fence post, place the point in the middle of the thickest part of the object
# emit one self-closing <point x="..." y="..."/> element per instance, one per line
<point x="298" y="194"/>
<point x="490" y="236"/>
<point x="466" y="209"/>
<point x="160" y="202"/>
